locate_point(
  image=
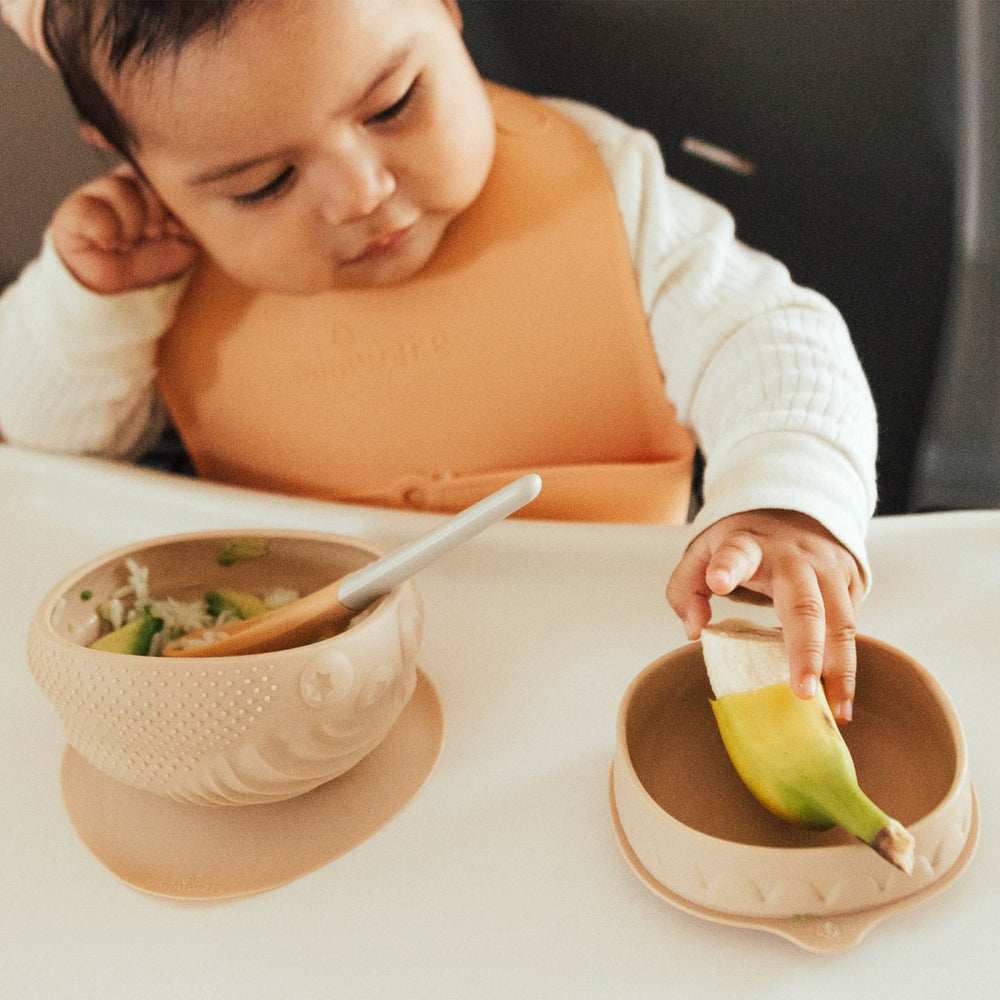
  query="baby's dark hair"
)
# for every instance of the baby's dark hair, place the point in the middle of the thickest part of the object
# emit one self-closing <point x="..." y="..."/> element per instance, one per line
<point x="87" y="37"/>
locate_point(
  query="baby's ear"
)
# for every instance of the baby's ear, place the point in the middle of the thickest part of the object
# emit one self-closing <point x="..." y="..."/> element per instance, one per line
<point x="94" y="137"/>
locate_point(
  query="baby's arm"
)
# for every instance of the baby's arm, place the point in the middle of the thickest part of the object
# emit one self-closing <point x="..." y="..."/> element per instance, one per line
<point x="78" y="365"/>
<point x="767" y="376"/>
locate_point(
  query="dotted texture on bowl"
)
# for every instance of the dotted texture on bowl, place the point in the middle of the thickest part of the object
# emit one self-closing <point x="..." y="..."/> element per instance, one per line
<point x="235" y="730"/>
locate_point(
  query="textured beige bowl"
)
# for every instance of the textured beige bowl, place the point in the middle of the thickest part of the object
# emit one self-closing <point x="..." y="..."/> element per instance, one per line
<point x="696" y="836"/>
<point x="227" y="730"/>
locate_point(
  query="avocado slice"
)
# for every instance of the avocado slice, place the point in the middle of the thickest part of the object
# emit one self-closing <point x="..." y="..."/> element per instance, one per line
<point x="237" y="602"/>
<point x="238" y="549"/>
<point x="133" y="637"/>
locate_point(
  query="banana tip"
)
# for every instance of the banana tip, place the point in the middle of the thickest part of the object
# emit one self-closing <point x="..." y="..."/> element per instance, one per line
<point x="896" y="844"/>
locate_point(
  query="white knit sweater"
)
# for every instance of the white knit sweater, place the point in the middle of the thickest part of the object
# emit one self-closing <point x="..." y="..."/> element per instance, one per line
<point x="762" y="370"/>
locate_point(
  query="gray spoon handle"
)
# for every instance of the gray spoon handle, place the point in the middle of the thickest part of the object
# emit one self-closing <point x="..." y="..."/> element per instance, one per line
<point x="360" y="588"/>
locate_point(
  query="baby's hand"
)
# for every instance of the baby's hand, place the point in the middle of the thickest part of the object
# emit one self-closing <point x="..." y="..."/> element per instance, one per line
<point x="812" y="580"/>
<point x="115" y="235"/>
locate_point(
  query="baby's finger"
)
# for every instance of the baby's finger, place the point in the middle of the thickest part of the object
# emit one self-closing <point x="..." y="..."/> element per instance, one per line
<point x="687" y="592"/>
<point x="154" y="221"/>
<point x="734" y="563"/>
<point x="158" y="221"/>
<point x="124" y="198"/>
<point x="158" y="261"/>
<point x="840" y="655"/>
<point x="798" y="603"/>
<point x="93" y="222"/>
<point x="149" y="212"/>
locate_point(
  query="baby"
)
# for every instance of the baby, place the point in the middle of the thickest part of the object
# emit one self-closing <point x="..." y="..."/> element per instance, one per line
<point x="569" y="309"/>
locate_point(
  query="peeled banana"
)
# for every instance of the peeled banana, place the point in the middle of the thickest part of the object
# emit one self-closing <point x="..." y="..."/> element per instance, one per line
<point x="787" y="750"/>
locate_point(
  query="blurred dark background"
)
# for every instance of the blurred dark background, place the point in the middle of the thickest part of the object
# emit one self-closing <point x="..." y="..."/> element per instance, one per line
<point x="850" y="110"/>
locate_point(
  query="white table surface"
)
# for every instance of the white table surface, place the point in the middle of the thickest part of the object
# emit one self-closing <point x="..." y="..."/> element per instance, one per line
<point x="502" y="878"/>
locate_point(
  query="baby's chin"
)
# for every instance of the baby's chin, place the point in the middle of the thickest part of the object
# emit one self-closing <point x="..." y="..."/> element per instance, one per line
<point x="381" y="270"/>
<point x="376" y="272"/>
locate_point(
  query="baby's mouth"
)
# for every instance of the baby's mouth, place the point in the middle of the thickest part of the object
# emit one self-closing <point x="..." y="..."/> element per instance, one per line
<point x="382" y="246"/>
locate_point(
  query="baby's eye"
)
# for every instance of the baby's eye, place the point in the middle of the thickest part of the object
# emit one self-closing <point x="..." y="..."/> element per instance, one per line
<point x="269" y="190"/>
<point x="394" y="110"/>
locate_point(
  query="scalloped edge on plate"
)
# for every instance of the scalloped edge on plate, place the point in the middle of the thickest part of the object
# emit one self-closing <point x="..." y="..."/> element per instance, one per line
<point x="825" y="934"/>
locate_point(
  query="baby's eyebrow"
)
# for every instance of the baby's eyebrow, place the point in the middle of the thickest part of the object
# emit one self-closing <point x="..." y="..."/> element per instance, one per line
<point x="389" y="68"/>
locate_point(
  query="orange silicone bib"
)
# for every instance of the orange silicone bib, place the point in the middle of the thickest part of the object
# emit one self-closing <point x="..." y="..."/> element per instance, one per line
<point x="522" y="346"/>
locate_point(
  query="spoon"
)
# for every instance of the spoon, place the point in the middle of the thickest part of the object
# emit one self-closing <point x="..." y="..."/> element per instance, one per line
<point x="335" y="604"/>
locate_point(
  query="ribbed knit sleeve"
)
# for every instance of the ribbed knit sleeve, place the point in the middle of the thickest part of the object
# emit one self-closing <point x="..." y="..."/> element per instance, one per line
<point x="763" y="371"/>
<point x="77" y="369"/>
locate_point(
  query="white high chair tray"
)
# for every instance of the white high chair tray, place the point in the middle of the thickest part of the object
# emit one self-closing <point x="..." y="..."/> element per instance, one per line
<point x="503" y="877"/>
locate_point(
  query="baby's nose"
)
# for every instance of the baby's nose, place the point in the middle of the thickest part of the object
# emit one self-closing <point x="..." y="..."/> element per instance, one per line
<point x="356" y="186"/>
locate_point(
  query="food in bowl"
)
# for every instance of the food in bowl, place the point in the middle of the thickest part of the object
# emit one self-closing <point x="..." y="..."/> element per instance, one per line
<point x="227" y="730"/>
<point x="141" y="624"/>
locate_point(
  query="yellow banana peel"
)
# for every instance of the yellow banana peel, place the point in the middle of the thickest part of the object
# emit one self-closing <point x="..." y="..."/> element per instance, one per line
<point x="789" y="751"/>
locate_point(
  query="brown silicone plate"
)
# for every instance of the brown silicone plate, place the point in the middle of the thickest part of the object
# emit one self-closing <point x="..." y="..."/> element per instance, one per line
<point x="211" y="852"/>
<point x="694" y="835"/>
<point x="821" y="934"/>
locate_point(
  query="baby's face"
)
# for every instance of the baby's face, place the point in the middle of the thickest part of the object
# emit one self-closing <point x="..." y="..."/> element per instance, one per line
<point x="317" y="145"/>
